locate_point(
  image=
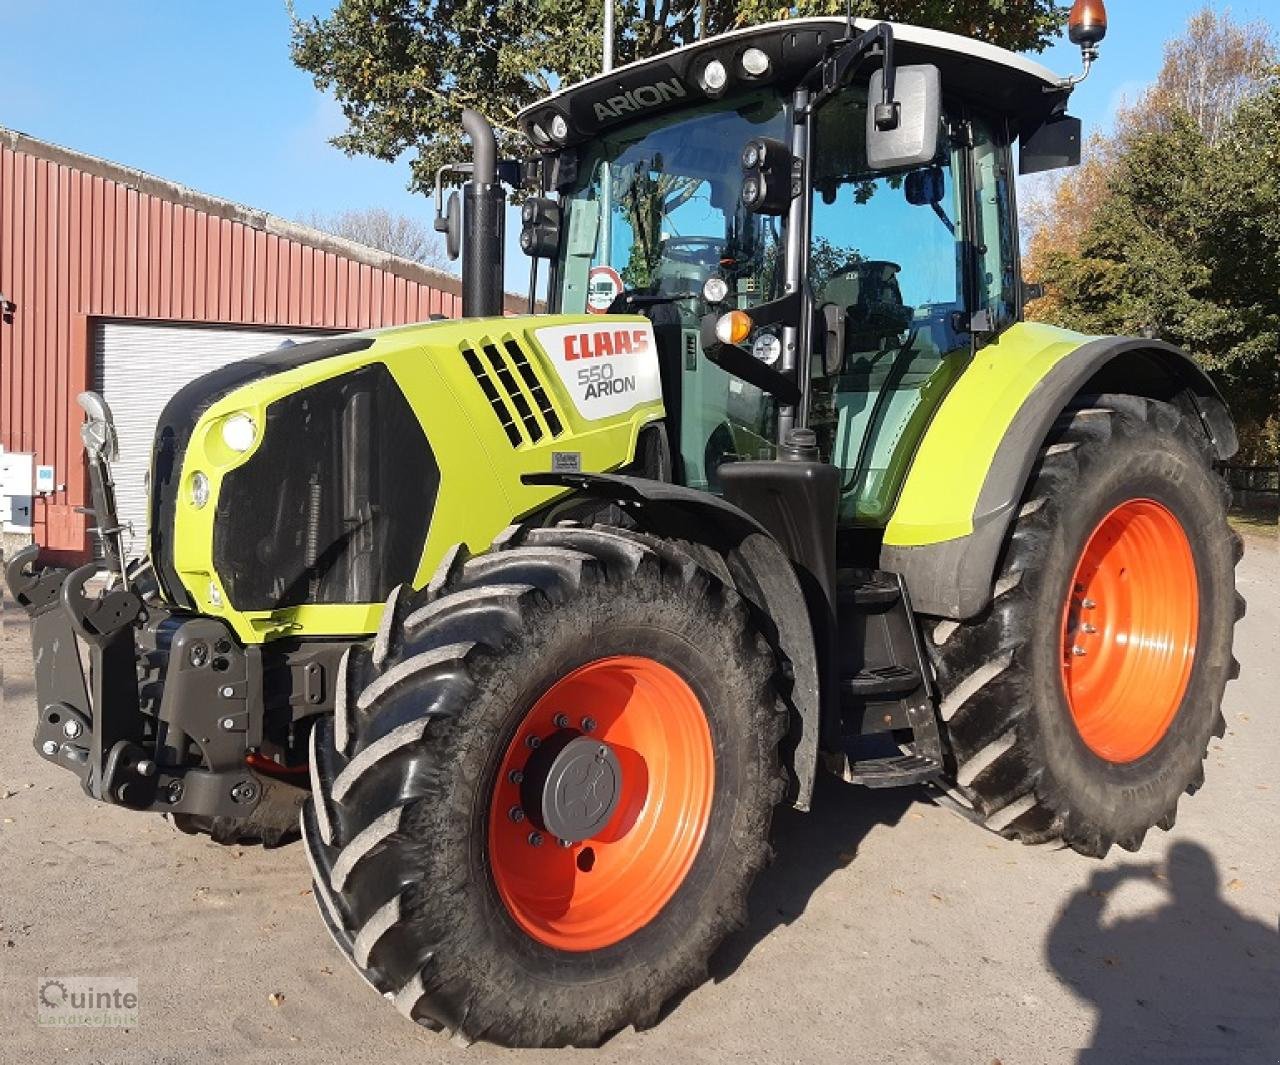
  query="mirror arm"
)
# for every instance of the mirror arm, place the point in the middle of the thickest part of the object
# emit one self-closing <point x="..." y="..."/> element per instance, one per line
<point x="448" y="168"/>
<point x="738" y="361"/>
<point x="838" y="69"/>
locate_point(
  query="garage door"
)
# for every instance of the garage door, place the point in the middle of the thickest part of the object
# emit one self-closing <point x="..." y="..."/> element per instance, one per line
<point x="139" y="366"/>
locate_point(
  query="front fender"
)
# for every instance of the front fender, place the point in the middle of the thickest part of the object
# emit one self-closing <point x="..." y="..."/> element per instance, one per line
<point x="972" y="467"/>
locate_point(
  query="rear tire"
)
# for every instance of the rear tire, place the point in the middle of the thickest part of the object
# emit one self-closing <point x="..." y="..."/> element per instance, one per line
<point x="411" y="853"/>
<point x="1027" y="749"/>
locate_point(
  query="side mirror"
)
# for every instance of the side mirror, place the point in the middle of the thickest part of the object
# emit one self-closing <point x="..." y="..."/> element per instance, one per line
<point x="769" y="178"/>
<point x="913" y="141"/>
<point x="540" y="227"/>
<point x="449" y="222"/>
<point x="98" y="433"/>
<point x="926" y="187"/>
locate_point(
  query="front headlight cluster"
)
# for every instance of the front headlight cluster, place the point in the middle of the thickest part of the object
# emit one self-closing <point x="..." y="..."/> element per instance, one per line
<point x="239" y="433"/>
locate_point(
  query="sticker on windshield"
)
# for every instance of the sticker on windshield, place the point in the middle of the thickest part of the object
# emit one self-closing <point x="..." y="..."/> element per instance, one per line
<point x="606" y="369"/>
<point x="604" y="285"/>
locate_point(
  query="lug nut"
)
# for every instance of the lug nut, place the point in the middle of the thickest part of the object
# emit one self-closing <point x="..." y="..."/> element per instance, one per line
<point x="71" y="728"/>
<point x="228" y="724"/>
<point x="516" y="814"/>
<point x="227" y="692"/>
<point x="49" y="747"/>
<point x="560" y="721"/>
<point x="515" y="776"/>
<point x="535" y="839"/>
<point x="588" y="724"/>
<point x="1088" y="604"/>
<point x="602" y="752"/>
<point x="565" y="842"/>
<point x="1079" y="651"/>
<point x="1090" y="629"/>
<point x="532" y="742"/>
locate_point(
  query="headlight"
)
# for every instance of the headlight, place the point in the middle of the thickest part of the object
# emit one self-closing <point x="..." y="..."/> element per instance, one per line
<point x="559" y="127"/>
<point x="716" y="290"/>
<point x="199" y="489"/>
<point x="239" y="432"/>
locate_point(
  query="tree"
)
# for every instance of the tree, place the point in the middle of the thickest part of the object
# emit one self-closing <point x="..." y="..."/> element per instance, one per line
<point x="402" y="70"/>
<point x="1208" y="73"/>
<point x="375" y="227"/>
<point x="1172" y="226"/>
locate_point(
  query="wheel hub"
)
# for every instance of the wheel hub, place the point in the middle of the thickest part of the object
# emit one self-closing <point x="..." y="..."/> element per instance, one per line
<point x="1129" y="630"/>
<point x="600" y="802"/>
<point x="571" y="786"/>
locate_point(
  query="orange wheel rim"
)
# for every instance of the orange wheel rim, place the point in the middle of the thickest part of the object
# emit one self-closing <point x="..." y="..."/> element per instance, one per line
<point x="1129" y="630"/>
<point x="625" y="729"/>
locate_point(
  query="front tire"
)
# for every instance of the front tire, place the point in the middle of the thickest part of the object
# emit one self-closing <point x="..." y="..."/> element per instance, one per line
<point x="433" y="825"/>
<point x="1079" y="705"/>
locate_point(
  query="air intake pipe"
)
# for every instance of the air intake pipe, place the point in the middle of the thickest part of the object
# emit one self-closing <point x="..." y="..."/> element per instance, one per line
<point x="483" y="221"/>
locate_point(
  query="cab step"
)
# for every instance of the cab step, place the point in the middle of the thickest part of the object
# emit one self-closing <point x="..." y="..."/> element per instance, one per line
<point x="895" y="680"/>
<point x="868" y="588"/>
<point x="894" y="771"/>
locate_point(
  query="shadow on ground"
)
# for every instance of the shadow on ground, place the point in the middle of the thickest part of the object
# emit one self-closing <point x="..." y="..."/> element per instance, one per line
<point x="1194" y="980"/>
<point x="809" y="848"/>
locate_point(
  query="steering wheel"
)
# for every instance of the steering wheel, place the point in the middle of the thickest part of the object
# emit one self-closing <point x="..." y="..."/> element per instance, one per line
<point x="700" y="251"/>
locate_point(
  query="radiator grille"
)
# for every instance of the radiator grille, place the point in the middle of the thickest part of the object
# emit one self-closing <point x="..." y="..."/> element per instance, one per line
<point x="515" y="393"/>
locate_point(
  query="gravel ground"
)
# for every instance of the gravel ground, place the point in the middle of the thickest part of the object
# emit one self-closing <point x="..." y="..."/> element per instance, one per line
<point x="887" y="930"/>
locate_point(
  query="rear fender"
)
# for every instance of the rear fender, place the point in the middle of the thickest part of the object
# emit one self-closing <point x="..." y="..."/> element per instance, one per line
<point x="758" y="567"/>
<point x="973" y="466"/>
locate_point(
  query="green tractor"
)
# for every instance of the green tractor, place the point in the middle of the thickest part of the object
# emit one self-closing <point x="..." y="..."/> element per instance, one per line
<point x="532" y="622"/>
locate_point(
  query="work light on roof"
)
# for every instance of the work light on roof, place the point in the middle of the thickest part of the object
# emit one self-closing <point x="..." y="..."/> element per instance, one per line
<point x="714" y="77"/>
<point x="755" y="63"/>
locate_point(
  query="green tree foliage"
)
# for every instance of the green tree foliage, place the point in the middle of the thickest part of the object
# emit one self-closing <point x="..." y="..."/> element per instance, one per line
<point x="403" y="69"/>
<point x="1173" y="230"/>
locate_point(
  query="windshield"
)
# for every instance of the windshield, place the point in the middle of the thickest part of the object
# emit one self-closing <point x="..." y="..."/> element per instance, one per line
<point x="656" y="210"/>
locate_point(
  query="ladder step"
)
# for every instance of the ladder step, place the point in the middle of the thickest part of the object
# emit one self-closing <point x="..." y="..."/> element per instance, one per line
<point x="888" y="680"/>
<point x="878" y="590"/>
<point x="892" y="772"/>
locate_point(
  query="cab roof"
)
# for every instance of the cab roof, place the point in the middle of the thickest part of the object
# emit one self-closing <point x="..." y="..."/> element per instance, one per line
<point x="996" y="77"/>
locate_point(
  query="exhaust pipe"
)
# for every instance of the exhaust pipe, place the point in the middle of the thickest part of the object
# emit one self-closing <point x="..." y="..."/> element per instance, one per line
<point x="483" y="223"/>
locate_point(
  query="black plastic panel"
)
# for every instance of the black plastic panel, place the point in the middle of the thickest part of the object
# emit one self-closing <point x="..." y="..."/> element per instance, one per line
<point x="334" y="505"/>
<point x="178" y="421"/>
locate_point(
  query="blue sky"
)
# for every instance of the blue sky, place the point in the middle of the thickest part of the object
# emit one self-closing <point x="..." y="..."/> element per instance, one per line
<point x="205" y="94"/>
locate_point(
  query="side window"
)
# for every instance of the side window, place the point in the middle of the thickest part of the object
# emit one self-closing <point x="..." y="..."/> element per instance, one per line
<point x="994" y="222"/>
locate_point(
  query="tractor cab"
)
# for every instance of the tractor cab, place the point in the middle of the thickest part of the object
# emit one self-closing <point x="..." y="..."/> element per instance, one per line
<point x="839" y="193"/>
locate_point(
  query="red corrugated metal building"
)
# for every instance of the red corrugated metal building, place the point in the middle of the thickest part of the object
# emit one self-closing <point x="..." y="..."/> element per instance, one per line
<point x="123" y="282"/>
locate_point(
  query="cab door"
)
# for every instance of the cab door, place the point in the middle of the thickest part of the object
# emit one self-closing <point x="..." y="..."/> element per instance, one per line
<point x="914" y="265"/>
